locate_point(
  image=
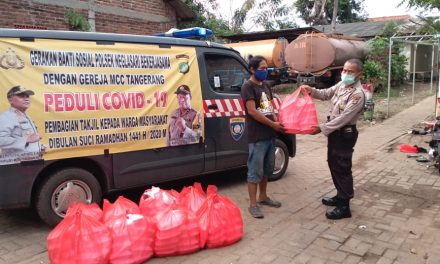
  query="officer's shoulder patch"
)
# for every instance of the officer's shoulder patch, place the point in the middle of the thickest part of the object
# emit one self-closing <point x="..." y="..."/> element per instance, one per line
<point x="356" y="98"/>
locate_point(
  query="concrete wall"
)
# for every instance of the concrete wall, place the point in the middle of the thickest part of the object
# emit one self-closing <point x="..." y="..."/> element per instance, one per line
<point x="119" y="16"/>
<point x="423" y="58"/>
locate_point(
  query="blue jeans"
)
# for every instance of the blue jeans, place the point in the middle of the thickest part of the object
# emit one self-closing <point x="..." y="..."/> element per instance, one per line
<point x="261" y="160"/>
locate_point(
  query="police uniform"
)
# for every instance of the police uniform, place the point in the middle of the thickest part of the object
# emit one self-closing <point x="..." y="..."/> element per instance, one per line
<point x="191" y="133"/>
<point x="347" y="104"/>
<point x="15" y="127"/>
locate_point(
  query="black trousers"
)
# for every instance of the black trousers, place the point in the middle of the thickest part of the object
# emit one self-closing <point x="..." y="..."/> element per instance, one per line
<point x="339" y="157"/>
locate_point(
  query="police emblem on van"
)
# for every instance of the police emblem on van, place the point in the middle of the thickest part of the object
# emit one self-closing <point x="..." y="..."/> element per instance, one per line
<point x="183" y="63"/>
<point x="10" y="60"/>
<point x="236" y="126"/>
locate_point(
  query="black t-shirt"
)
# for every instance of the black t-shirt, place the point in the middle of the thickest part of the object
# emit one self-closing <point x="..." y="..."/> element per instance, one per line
<point x="262" y="95"/>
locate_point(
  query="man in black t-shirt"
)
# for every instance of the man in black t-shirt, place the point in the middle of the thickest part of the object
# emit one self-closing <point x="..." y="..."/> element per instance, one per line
<point x="262" y="128"/>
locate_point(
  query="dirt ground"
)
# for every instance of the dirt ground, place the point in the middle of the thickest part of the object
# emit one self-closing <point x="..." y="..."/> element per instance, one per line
<point x="400" y="98"/>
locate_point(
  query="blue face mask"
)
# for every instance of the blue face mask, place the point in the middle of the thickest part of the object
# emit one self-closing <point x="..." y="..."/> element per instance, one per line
<point x="260" y="75"/>
<point x="347" y="79"/>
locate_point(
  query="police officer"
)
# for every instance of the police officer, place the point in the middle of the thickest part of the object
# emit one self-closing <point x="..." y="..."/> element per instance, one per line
<point x="347" y="102"/>
<point x="18" y="135"/>
<point x="185" y="124"/>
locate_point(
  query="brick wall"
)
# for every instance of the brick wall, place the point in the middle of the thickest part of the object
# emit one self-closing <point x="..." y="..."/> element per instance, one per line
<point x="118" y="16"/>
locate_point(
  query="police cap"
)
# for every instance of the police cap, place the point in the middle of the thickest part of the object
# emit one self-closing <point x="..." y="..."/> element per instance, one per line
<point x="16" y="90"/>
<point x="183" y="89"/>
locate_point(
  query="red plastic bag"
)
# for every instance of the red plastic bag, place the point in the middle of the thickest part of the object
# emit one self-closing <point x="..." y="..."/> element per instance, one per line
<point x="408" y="148"/>
<point x="133" y="238"/>
<point x="177" y="232"/>
<point x="298" y="114"/>
<point x="220" y="221"/>
<point x="121" y="207"/>
<point x="192" y="197"/>
<point x="155" y="200"/>
<point x="79" y="239"/>
<point x="91" y="210"/>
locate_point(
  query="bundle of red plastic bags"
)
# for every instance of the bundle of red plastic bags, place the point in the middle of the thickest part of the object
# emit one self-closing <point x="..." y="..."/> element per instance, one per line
<point x="165" y="223"/>
<point x="298" y="114"/>
<point x="177" y="229"/>
<point x="132" y="233"/>
<point x="80" y="238"/>
<point x="220" y="221"/>
<point x="192" y="197"/>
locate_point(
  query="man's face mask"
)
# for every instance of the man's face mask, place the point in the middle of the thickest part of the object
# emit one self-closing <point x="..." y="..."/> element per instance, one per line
<point x="348" y="78"/>
<point x="260" y="74"/>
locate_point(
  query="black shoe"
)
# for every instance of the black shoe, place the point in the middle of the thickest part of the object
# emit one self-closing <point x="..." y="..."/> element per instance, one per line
<point x="339" y="213"/>
<point x="330" y="201"/>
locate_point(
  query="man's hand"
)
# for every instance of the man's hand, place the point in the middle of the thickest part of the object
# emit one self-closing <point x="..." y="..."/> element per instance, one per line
<point x="180" y="123"/>
<point x="278" y="127"/>
<point x="317" y="130"/>
<point x="306" y="89"/>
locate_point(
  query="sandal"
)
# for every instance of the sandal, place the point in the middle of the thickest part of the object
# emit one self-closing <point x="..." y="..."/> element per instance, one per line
<point x="270" y="202"/>
<point x="255" y="212"/>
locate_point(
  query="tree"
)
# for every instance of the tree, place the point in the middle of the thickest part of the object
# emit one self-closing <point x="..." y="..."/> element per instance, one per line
<point x="430" y="4"/>
<point x="267" y="14"/>
<point x="206" y="18"/>
<point x="376" y="63"/>
<point x="316" y="12"/>
<point x="335" y="14"/>
<point x="430" y="25"/>
<point x="270" y="14"/>
<point x="389" y="29"/>
<point x="240" y="14"/>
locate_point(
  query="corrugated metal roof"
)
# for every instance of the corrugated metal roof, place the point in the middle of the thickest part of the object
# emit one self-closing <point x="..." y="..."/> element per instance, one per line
<point x="367" y="29"/>
<point x="388" y="18"/>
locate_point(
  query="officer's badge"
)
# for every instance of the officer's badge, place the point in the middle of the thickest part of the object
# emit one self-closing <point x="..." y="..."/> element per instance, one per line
<point x="10" y="60"/>
<point x="341" y="106"/>
<point x="356" y="99"/>
<point x="237" y="125"/>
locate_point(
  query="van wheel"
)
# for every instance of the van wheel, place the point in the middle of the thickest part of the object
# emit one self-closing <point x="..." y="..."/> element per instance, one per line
<point x="281" y="160"/>
<point x="63" y="188"/>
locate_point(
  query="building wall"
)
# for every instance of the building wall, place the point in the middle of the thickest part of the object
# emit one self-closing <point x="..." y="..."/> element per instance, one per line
<point x="119" y="16"/>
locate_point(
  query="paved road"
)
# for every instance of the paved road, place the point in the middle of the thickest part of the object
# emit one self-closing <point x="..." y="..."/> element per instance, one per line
<point x="396" y="215"/>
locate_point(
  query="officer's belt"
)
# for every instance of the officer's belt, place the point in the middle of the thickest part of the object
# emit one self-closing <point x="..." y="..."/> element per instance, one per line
<point x="347" y="127"/>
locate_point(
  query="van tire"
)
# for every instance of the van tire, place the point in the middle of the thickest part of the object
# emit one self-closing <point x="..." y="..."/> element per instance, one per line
<point x="74" y="184"/>
<point x="281" y="160"/>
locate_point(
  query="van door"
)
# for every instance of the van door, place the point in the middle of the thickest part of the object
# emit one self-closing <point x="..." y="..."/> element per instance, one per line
<point x="222" y="75"/>
<point x="138" y="168"/>
<point x="176" y="148"/>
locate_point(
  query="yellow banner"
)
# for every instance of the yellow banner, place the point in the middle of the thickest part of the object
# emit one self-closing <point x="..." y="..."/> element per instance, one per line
<point x="62" y="99"/>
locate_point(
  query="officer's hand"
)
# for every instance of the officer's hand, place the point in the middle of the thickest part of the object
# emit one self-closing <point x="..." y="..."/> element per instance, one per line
<point x="278" y="127"/>
<point x="306" y="89"/>
<point x="316" y="131"/>
<point x="180" y="122"/>
<point x="32" y="138"/>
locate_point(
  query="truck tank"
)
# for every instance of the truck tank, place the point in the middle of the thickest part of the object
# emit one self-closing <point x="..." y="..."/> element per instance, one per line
<point x="271" y="49"/>
<point x="318" y="52"/>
